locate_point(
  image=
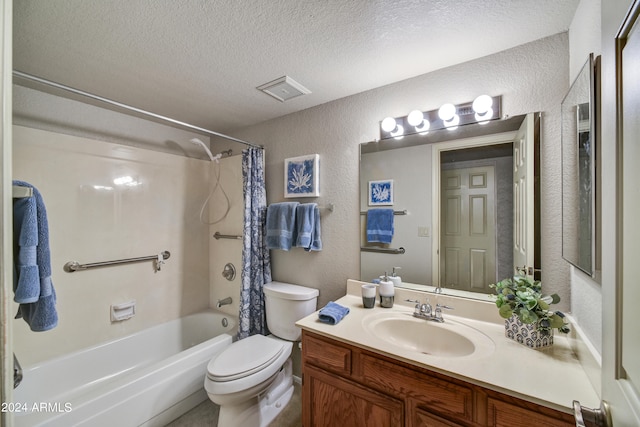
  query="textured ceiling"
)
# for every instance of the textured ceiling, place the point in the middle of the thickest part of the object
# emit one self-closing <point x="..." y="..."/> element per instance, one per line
<point x="200" y="61"/>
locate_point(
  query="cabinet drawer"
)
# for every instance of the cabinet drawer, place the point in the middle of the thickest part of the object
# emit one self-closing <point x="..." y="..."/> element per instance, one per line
<point x="327" y="355"/>
<point x="425" y="390"/>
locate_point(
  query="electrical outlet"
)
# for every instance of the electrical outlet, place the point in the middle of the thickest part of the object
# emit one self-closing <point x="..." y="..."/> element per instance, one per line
<point x="423" y="231"/>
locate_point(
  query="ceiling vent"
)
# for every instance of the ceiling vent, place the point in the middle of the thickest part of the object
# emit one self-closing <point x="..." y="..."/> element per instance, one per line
<point x="284" y="89"/>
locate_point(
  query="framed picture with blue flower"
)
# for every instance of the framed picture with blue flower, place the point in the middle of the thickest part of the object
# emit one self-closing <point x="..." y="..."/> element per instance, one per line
<point x="381" y="192"/>
<point x="302" y="176"/>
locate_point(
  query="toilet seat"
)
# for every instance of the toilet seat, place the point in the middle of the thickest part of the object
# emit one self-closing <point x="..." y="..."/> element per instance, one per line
<point x="244" y="358"/>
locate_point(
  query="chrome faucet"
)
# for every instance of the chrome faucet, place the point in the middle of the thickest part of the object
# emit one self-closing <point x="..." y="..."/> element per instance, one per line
<point x="225" y="301"/>
<point x="425" y="311"/>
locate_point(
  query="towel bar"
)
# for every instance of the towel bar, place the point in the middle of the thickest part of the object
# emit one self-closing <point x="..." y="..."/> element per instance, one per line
<point x="20" y="192"/>
<point x="404" y="212"/>
<point x="394" y="251"/>
<point x="72" y="266"/>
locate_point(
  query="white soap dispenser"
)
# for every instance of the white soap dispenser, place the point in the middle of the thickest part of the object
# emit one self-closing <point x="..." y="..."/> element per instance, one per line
<point x="386" y="291"/>
<point x="397" y="280"/>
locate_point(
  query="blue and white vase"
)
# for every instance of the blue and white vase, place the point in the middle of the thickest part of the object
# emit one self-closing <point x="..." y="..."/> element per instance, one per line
<point x="527" y="334"/>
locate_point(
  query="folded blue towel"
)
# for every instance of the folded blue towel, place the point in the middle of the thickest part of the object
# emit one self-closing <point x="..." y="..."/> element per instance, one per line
<point x="281" y="220"/>
<point x="380" y="225"/>
<point x="308" y="227"/>
<point x="332" y="313"/>
<point x="32" y="285"/>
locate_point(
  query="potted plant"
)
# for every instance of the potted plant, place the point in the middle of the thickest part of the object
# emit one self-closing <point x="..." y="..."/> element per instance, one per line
<point x="529" y="320"/>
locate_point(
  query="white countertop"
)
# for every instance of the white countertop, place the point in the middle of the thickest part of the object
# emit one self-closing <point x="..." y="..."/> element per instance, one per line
<point x="552" y="377"/>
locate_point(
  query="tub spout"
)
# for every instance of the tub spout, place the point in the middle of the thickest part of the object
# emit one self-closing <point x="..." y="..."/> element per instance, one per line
<point x="225" y="301"/>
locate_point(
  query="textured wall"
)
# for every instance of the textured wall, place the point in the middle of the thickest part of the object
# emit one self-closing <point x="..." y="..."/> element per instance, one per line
<point x="531" y="77"/>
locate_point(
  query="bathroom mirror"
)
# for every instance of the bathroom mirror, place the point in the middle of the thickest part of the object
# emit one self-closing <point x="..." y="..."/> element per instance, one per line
<point x="457" y="206"/>
<point x="579" y="144"/>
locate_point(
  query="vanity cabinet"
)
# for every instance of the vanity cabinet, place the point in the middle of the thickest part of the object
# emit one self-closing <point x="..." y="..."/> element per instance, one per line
<point x="345" y="385"/>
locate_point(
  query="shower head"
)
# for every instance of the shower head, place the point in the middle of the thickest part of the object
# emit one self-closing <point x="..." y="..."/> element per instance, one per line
<point x="211" y="157"/>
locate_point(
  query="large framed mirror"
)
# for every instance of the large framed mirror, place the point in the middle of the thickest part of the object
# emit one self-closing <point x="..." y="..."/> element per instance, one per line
<point x="463" y="219"/>
<point x="579" y="145"/>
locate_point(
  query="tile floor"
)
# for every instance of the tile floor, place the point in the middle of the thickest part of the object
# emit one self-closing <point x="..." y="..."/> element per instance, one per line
<point x="206" y="414"/>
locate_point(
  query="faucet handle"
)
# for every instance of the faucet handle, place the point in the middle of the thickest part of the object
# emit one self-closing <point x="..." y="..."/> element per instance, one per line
<point x="439" y="308"/>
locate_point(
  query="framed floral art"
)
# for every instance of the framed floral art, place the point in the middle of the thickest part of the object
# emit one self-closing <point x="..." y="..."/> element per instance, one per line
<point x="381" y="193"/>
<point x="302" y="176"/>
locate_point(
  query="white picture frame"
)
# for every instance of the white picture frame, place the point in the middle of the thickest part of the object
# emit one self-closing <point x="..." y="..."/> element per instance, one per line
<point x="381" y="192"/>
<point x="302" y="176"/>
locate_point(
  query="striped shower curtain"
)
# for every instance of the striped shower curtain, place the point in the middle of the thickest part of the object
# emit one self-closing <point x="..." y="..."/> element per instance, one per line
<point x="256" y="264"/>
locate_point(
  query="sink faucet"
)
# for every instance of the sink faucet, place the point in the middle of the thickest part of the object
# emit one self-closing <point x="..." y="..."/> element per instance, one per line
<point x="425" y="311"/>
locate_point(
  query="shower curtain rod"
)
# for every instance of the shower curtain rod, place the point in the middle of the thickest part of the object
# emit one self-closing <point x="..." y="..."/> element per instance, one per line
<point x="46" y="82"/>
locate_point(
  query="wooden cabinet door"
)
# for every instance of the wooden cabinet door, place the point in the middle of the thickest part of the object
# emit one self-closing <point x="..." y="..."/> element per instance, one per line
<point x="422" y="418"/>
<point x="335" y="401"/>
<point x="502" y="414"/>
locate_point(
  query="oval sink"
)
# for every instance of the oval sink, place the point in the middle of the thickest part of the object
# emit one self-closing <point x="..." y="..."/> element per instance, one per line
<point x="449" y="339"/>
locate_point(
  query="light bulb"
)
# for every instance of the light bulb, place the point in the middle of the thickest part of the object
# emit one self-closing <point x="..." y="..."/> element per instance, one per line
<point x="485" y="117"/>
<point x="415" y="118"/>
<point x="453" y="123"/>
<point x="482" y="104"/>
<point x="423" y="128"/>
<point x="398" y="132"/>
<point x="388" y="124"/>
<point x="446" y="112"/>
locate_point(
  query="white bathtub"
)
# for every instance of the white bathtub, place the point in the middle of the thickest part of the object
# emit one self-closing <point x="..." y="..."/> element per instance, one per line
<point x="148" y="378"/>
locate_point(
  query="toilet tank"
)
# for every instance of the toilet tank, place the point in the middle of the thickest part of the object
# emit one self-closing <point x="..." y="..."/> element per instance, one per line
<point x="286" y="304"/>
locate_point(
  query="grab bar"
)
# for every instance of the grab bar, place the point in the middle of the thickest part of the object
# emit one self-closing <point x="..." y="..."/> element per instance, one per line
<point x="72" y="266"/>
<point x="394" y="251"/>
<point x="217" y="235"/>
<point x="403" y="212"/>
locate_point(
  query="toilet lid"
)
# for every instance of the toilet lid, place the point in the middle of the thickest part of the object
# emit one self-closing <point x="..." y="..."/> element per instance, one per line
<point x="244" y="357"/>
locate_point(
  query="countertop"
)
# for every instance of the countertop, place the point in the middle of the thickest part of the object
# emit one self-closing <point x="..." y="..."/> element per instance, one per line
<point x="551" y="377"/>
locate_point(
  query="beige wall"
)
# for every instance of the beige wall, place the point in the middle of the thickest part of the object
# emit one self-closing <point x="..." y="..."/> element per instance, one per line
<point x="532" y="77"/>
<point x="586" y="302"/>
<point x="90" y="225"/>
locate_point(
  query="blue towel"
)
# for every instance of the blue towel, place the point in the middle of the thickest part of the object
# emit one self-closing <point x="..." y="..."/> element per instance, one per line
<point x="308" y="227"/>
<point x="281" y="220"/>
<point x="332" y="313"/>
<point x="32" y="285"/>
<point x="380" y="225"/>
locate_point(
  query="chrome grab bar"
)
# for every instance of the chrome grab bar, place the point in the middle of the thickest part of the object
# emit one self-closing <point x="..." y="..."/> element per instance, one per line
<point x="72" y="266"/>
<point x="217" y="235"/>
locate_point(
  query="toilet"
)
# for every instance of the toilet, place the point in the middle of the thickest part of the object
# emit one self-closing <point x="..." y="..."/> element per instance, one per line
<point x="252" y="379"/>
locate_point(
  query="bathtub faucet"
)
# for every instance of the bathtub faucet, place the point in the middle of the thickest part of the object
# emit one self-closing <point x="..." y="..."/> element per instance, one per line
<point x="225" y="301"/>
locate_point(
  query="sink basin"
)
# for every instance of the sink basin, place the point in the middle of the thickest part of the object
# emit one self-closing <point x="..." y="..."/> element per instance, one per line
<point x="448" y="339"/>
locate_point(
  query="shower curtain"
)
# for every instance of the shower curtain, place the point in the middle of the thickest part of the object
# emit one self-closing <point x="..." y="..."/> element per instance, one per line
<point x="256" y="264"/>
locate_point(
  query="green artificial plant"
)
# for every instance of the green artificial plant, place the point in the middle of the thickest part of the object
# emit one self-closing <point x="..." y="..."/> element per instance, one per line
<point x="522" y="296"/>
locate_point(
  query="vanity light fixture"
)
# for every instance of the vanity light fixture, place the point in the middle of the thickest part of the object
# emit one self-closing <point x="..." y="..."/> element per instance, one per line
<point x="449" y="116"/>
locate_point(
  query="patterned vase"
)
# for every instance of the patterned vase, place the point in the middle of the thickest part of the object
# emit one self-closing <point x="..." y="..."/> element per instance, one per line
<point x="525" y="334"/>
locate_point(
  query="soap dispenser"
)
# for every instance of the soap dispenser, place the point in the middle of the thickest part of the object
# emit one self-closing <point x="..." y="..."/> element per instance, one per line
<point x="397" y="280"/>
<point x="387" y="292"/>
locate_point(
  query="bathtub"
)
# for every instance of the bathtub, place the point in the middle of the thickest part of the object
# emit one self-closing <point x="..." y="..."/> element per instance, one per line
<point x="148" y="378"/>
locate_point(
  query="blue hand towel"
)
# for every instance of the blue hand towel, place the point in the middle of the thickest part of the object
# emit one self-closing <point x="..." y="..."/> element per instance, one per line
<point x="332" y="313"/>
<point x="380" y="225"/>
<point x="308" y="227"/>
<point x="281" y="219"/>
<point x="32" y="285"/>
